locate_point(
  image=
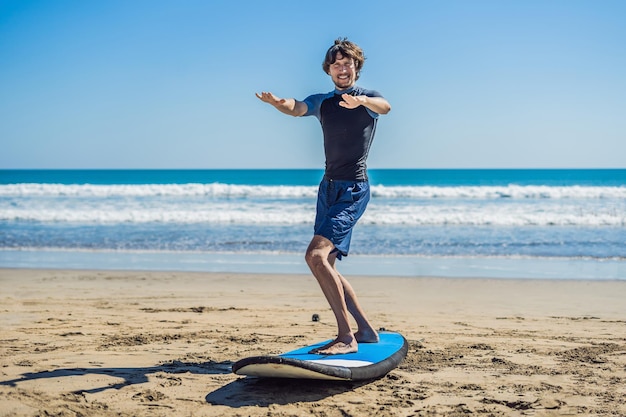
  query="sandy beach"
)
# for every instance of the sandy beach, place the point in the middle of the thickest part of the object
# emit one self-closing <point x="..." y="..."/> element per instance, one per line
<point x="112" y="343"/>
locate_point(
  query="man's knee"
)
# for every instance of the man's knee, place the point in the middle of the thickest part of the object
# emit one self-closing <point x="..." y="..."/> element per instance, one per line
<point x="317" y="253"/>
<point x="314" y="257"/>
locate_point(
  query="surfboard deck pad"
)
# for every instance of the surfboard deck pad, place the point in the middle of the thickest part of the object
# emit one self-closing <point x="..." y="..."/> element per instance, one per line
<point x="373" y="360"/>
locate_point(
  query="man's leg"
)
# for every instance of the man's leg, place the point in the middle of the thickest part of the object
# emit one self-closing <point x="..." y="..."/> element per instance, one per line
<point x="366" y="332"/>
<point x="317" y="257"/>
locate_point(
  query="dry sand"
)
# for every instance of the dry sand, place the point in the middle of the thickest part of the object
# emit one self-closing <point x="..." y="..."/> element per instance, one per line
<point x="102" y="343"/>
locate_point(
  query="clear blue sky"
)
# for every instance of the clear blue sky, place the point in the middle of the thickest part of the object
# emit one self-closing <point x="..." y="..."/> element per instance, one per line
<point x="170" y="84"/>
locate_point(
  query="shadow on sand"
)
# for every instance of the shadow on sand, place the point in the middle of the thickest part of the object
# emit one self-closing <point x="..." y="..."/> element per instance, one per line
<point x="262" y="392"/>
<point x="130" y="376"/>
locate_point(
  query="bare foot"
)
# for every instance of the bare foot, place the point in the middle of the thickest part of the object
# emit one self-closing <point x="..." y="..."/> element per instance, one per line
<point x="367" y="336"/>
<point x="336" y="347"/>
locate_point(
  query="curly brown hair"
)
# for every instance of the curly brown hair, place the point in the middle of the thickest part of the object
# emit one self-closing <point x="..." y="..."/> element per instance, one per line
<point x="346" y="49"/>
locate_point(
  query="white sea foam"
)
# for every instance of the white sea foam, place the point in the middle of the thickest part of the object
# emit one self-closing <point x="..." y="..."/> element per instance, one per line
<point x="293" y="214"/>
<point x="287" y="205"/>
<point x="494" y="215"/>
<point x="243" y="217"/>
<point x="217" y="190"/>
<point x="499" y="192"/>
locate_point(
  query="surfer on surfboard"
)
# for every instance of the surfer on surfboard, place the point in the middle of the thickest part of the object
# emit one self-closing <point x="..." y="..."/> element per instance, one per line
<point x="348" y="116"/>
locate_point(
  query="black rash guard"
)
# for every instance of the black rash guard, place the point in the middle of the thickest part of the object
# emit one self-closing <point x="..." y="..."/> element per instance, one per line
<point x="348" y="133"/>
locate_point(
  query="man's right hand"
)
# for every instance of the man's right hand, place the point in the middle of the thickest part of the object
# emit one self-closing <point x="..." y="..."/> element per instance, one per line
<point x="270" y="98"/>
<point x="288" y="106"/>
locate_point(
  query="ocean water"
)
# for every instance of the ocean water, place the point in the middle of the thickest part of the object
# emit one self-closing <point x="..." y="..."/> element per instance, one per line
<point x="511" y="223"/>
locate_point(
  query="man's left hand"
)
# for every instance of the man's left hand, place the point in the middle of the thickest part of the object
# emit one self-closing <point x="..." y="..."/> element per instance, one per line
<point x="352" y="102"/>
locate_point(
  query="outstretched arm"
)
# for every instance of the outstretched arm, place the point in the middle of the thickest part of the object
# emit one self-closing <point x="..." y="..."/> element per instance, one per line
<point x="288" y="106"/>
<point x="376" y="104"/>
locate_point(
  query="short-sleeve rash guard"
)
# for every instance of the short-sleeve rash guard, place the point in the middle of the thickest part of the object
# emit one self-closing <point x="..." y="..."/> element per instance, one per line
<point x="348" y="133"/>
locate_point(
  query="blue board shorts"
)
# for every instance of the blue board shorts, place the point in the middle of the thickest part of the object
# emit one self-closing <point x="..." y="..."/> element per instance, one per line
<point x="340" y="204"/>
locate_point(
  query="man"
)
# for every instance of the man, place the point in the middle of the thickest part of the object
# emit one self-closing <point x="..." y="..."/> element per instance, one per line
<point x="348" y="116"/>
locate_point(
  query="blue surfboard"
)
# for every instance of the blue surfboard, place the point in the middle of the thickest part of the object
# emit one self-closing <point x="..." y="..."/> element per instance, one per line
<point x="373" y="360"/>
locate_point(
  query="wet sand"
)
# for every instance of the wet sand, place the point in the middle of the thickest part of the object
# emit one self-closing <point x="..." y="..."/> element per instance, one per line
<point x="105" y="343"/>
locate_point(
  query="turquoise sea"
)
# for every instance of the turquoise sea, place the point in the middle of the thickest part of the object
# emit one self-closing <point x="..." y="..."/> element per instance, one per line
<point x="503" y="223"/>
